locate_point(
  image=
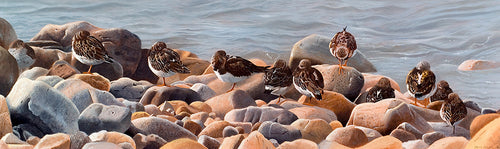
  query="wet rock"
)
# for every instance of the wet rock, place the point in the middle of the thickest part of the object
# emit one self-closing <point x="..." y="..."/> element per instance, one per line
<point x="34" y="73"/>
<point x="403" y="135"/>
<point x="349" y="83"/>
<point x="255" y="140"/>
<point x="383" y="142"/>
<point x="56" y="141"/>
<point x="7" y="34"/>
<point x="315" y="48"/>
<point x="98" y="117"/>
<point x="224" y="103"/>
<point x="315" y="130"/>
<point x="229" y="131"/>
<point x="215" y="129"/>
<point x="279" y="132"/>
<point x="432" y="137"/>
<point x="349" y="136"/>
<point x="472" y="105"/>
<point x="209" y="142"/>
<point x="162" y="127"/>
<point x="8" y="67"/>
<point x="183" y="143"/>
<point x="488" y="111"/>
<point x="415" y="144"/>
<point x="158" y="95"/>
<point x="37" y="103"/>
<point x="488" y="135"/>
<point x="95" y="80"/>
<point x="50" y="80"/>
<point x="299" y="143"/>
<point x="260" y="114"/>
<point x="62" y="69"/>
<point x="129" y="89"/>
<point x="5" y="123"/>
<point x="470" y="65"/>
<point x="204" y="91"/>
<point x="449" y="143"/>
<point x="151" y="141"/>
<point x="27" y="130"/>
<point x="78" y="140"/>
<point x="335" y="102"/>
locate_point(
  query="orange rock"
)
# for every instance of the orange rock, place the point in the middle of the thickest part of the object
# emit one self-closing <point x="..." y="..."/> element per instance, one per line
<point x="372" y="79"/>
<point x="260" y="102"/>
<point x="201" y="106"/>
<point x="299" y="143"/>
<point x="117" y="138"/>
<point x="7" y="34"/>
<point x="335" y="125"/>
<point x="194" y="127"/>
<point x="55" y="141"/>
<point x="5" y="122"/>
<point x="436" y="105"/>
<point x="182" y="144"/>
<point x="333" y="101"/>
<point x="214" y="129"/>
<point x="481" y="121"/>
<point x="488" y="136"/>
<point x="137" y="115"/>
<point x="195" y="65"/>
<point x="232" y="142"/>
<point x="349" y="136"/>
<point x="9" y="69"/>
<point x="95" y="80"/>
<point x="233" y="100"/>
<point x="469" y="65"/>
<point x="315" y="130"/>
<point x="388" y="142"/>
<point x="309" y="112"/>
<point x="256" y="140"/>
<point x="3" y="144"/>
<point x="333" y="145"/>
<point x="449" y="143"/>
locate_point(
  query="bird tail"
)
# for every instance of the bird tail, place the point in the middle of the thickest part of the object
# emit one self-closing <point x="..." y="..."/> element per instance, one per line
<point x="108" y="59"/>
<point x="317" y="94"/>
<point x="181" y="69"/>
<point x="261" y="68"/>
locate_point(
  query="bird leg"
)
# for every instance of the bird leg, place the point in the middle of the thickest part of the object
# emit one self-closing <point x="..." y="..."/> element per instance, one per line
<point x="453" y="129"/>
<point x="88" y="72"/>
<point x="340" y="66"/>
<point x="232" y="88"/>
<point x="426" y="102"/>
<point x="279" y="98"/>
<point x="345" y="63"/>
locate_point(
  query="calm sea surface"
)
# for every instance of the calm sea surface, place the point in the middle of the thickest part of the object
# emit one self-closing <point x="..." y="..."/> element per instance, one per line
<point x="394" y="34"/>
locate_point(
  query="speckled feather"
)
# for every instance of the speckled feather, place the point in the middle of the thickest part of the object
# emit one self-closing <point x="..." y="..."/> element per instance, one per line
<point x="309" y="79"/>
<point x="279" y="76"/>
<point x="453" y="109"/>
<point x="165" y="59"/>
<point x="343" y="45"/>
<point x="89" y="47"/>
<point x="426" y="86"/>
<point x="381" y="90"/>
<point x="235" y="65"/>
<point x="442" y="91"/>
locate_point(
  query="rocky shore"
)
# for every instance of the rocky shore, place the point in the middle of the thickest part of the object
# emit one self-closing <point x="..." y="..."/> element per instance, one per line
<point x="53" y="105"/>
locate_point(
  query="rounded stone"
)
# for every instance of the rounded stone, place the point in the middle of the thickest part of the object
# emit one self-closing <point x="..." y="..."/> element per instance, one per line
<point x="348" y="83"/>
<point x="95" y="80"/>
<point x="157" y="95"/>
<point x="7" y="33"/>
<point x="229" y="131"/>
<point x="183" y="143"/>
<point x="402" y="135"/>
<point x="129" y="89"/>
<point x="255" y="114"/>
<point x="224" y="103"/>
<point x="315" y="130"/>
<point x="192" y="126"/>
<point x="9" y="69"/>
<point x="215" y="129"/>
<point x="98" y="117"/>
<point x="432" y="137"/>
<point x="449" y="143"/>
<point x="255" y="140"/>
<point x="209" y="142"/>
<point x="349" y="136"/>
<point x="314" y="112"/>
<point x="162" y="127"/>
<point x="279" y="132"/>
<point x="58" y="140"/>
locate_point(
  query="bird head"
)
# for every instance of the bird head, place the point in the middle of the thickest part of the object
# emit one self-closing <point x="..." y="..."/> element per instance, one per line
<point x="304" y="63"/>
<point x="82" y="35"/>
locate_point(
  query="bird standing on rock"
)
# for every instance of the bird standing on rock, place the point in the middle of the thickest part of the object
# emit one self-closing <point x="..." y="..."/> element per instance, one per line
<point x="308" y="80"/>
<point x="278" y="79"/>
<point x="420" y="81"/>
<point x="442" y="91"/>
<point x="233" y="68"/>
<point x="89" y="50"/>
<point x="453" y="110"/>
<point x="381" y="90"/>
<point x="165" y="62"/>
<point x="24" y="54"/>
<point x="342" y="47"/>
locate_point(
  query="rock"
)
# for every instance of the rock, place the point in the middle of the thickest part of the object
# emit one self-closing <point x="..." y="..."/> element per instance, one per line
<point x="106" y="145"/>
<point x="232" y="142"/>
<point x="111" y="71"/>
<point x="335" y="125"/>
<point x="349" y="136"/>
<point x="447" y="130"/>
<point x="299" y="143"/>
<point x="200" y="106"/>
<point x="152" y="110"/>
<point x="449" y="143"/>
<point x="432" y="137"/>
<point x="133" y="106"/>
<point x="98" y="117"/>
<point x="372" y="79"/>
<point x="488" y="111"/>
<point x="162" y="127"/>
<point x="55" y="141"/>
<point x="129" y="89"/>
<point x="37" y="103"/>
<point x="314" y="112"/>
<point x="410" y="128"/>
<point x="255" y="114"/>
<point x="62" y="69"/>
<point x="5" y="122"/>
<point x="224" y="103"/>
<point x="383" y="142"/>
<point x="78" y="140"/>
<point x="143" y="72"/>
<point x="111" y="137"/>
<point x="150" y="141"/>
<point x="192" y="126"/>
<point x="183" y="143"/>
<point x="371" y="134"/>
<point x="315" y="48"/>
<point x="34" y="73"/>
<point x="332" y="144"/>
<point x="27" y="130"/>
<point x="215" y="129"/>
<point x="415" y="144"/>
<point x="279" y="132"/>
<point x="229" y="131"/>
<point x="195" y="65"/>
<point x="472" y="105"/>
<point x="335" y="102"/>
<point x="82" y="94"/>
<point x="435" y="105"/>
<point x="33" y="140"/>
<point x="255" y="140"/>
<point x="481" y="121"/>
<point x="386" y="115"/>
<point x="315" y="130"/>
<point x="50" y="80"/>
<point x="470" y="65"/>
<point x="349" y="83"/>
<point x="3" y="144"/>
<point x="157" y="95"/>
<point x="137" y="115"/>
<point x="7" y="34"/>
<point x="209" y="142"/>
<point x="204" y="91"/>
<point x="488" y="135"/>
<point x="10" y="138"/>
<point x="403" y="135"/>
<point x="8" y="66"/>
<point x="46" y="57"/>
<point x="201" y="116"/>
<point x="95" y="80"/>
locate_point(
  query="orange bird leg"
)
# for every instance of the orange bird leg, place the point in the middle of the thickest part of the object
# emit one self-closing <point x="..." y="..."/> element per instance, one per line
<point x="88" y="72"/>
<point x="232" y="88"/>
<point x="340" y="66"/>
<point x="345" y="63"/>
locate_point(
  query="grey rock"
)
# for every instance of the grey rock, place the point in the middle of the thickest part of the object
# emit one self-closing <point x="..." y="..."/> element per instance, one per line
<point x="410" y="128"/>
<point x="34" y="73"/>
<point x="447" y="130"/>
<point x="133" y="106"/>
<point x="488" y="110"/>
<point x="98" y="117"/>
<point x="50" y="80"/>
<point x="274" y="142"/>
<point x="129" y="89"/>
<point x="415" y="144"/>
<point x="26" y="130"/>
<point x="472" y="105"/>
<point x="37" y="103"/>
<point x="254" y="114"/>
<point x="151" y="141"/>
<point x="432" y="137"/>
<point x="157" y="95"/>
<point x="204" y="91"/>
<point x="78" y="140"/>
<point x="82" y="94"/>
<point x="349" y="83"/>
<point x="282" y="133"/>
<point x="100" y="145"/>
<point x="126" y="145"/>
<point x="209" y="142"/>
<point x="161" y="127"/>
<point x="403" y="135"/>
<point x="229" y="131"/>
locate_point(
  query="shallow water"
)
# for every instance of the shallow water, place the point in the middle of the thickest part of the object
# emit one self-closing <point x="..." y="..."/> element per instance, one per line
<point x="394" y="34"/>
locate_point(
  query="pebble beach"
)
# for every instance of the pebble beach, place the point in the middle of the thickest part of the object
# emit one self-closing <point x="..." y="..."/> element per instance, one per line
<point x="52" y="104"/>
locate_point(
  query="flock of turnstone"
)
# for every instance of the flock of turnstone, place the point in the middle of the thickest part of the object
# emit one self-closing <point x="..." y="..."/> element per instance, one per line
<point x="165" y="62"/>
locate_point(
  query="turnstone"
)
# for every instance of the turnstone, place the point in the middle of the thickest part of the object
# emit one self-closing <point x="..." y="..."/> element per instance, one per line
<point x="165" y="62"/>
<point x="24" y="54"/>
<point x="342" y="47"/>
<point x="381" y="90"/>
<point x="308" y="80"/>
<point x="453" y="110"/>
<point x="89" y="50"/>
<point x="420" y="81"/>
<point x="442" y="91"/>
<point x="233" y="68"/>
<point x="278" y="79"/>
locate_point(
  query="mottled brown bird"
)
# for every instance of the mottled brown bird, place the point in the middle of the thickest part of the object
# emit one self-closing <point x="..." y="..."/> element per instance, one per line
<point x="233" y="68"/>
<point x="342" y="47"/>
<point x="89" y="50"/>
<point x="442" y="91"/>
<point x="165" y="62"/>
<point x="24" y="54"/>
<point x="381" y="90"/>
<point x="308" y="80"/>
<point x="278" y="80"/>
<point x="420" y="81"/>
<point x="453" y="110"/>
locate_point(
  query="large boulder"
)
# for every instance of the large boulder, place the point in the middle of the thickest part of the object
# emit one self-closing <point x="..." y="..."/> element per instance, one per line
<point x="7" y="33"/>
<point x="348" y="83"/>
<point x="37" y="103"/>
<point x="224" y="103"/>
<point x="129" y="89"/>
<point x="83" y="95"/>
<point x="98" y="117"/>
<point x="9" y="69"/>
<point x="315" y="48"/>
<point x="332" y="101"/>
<point x="157" y="95"/>
<point x="488" y="135"/>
